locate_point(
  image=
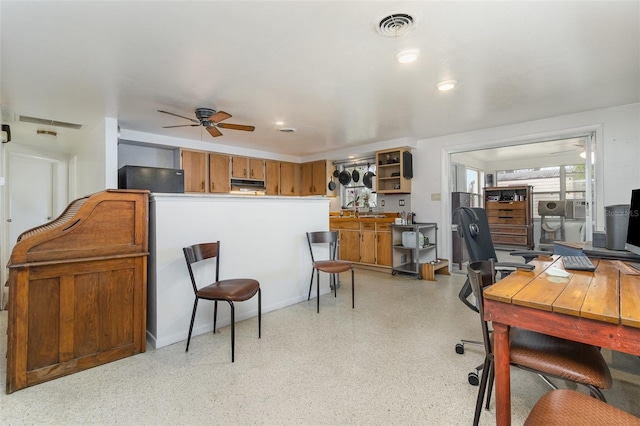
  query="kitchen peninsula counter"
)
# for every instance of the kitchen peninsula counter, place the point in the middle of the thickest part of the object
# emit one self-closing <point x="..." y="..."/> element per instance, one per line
<point x="261" y="237"/>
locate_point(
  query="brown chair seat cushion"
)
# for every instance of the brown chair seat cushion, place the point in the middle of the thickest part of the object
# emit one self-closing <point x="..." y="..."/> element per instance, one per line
<point x="235" y="290"/>
<point x="561" y="358"/>
<point x="568" y="407"/>
<point x="332" y="266"/>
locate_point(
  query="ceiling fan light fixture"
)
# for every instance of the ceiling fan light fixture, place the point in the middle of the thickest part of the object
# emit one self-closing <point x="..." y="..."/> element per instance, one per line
<point x="443" y="86"/>
<point x="407" y="56"/>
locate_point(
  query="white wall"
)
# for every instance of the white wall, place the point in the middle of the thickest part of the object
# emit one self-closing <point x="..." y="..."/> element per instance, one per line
<point x="618" y="141"/>
<point x="260" y="237"/>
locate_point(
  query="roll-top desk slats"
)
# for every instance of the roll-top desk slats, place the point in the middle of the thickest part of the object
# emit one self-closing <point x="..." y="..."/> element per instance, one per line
<point x="77" y="289"/>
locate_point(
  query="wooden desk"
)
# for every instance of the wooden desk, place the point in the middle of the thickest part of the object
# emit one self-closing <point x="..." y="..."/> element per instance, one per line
<point x="600" y="308"/>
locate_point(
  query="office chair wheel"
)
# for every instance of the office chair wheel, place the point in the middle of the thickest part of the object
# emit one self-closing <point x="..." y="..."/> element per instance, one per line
<point x="473" y="379"/>
<point x="459" y="348"/>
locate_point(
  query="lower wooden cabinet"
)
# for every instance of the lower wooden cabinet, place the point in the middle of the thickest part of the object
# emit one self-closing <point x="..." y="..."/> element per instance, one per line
<point x="383" y="244"/>
<point x="367" y="243"/>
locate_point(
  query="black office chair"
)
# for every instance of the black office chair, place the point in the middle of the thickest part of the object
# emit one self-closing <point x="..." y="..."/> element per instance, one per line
<point x="536" y="352"/>
<point x="473" y="227"/>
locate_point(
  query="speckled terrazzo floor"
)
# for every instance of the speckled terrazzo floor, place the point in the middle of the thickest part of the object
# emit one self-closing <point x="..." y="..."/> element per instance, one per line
<point x="391" y="360"/>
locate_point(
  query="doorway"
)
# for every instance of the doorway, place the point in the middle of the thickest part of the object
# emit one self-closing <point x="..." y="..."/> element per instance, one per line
<point x="578" y="147"/>
<point x="36" y="193"/>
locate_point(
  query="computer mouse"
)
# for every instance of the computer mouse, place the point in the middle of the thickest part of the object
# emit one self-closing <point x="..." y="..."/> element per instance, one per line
<point x="554" y="271"/>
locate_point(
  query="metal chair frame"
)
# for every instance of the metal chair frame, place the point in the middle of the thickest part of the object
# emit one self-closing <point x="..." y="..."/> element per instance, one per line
<point x="332" y="266"/>
<point x="204" y="251"/>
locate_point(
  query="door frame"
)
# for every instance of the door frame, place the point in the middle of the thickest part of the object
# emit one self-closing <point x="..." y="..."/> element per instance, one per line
<point x="596" y="208"/>
<point x="59" y="202"/>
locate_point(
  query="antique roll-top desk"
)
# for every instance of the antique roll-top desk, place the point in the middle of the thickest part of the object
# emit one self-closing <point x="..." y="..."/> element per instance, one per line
<point x="77" y="289"/>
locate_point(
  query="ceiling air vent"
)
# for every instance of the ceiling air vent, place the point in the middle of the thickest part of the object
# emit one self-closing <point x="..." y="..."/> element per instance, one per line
<point x="395" y="24"/>
<point x="46" y="122"/>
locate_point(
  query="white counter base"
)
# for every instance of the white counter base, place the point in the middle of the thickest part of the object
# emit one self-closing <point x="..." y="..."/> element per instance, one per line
<point x="261" y="237"/>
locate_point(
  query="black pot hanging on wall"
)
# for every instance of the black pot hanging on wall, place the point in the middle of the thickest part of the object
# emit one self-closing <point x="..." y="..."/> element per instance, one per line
<point x="345" y="177"/>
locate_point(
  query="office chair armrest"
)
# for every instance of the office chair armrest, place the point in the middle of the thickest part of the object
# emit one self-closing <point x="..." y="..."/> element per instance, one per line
<point x="529" y="255"/>
<point x="512" y="266"/>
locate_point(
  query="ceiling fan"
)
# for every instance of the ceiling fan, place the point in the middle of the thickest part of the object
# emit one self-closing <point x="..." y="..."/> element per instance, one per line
<point x="210" y="119"/>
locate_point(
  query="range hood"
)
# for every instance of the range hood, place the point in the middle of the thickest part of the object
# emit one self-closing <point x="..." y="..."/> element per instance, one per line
<point x="246" y="186"/>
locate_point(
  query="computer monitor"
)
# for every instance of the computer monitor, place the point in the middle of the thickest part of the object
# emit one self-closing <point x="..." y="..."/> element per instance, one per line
<point x="633" y="231"/>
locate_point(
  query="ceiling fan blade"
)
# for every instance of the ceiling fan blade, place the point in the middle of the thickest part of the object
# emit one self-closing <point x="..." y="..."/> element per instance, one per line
<point x="219" y="116"/>
<point x="176" y="115"/>
<point x="213" y="131"/>
<point x="236" y="127"/>
<point x="181" y="125"/>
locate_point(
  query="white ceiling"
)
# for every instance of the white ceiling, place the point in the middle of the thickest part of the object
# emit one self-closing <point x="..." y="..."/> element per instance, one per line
<point x="318" y="66"/>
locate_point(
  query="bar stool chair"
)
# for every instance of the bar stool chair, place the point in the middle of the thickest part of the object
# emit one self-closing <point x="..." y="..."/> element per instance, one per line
<point x="331" y="266"/>
<point x="230" y="291"/>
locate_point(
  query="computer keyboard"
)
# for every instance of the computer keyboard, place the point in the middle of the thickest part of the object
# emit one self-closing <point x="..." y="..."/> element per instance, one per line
<point x="578" y="263"/>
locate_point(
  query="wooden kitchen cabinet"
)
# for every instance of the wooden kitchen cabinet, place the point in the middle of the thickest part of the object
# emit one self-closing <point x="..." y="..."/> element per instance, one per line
<point x="247" y="168"/>
<point x="315" y="177"/>
<point x="368" y="243"/>
<point x="272" y="177"/>
<point x="219" y="181"/>
<point x="394" y="171"/>
<point x="383" y="244"/>
<point x="194" y="164"/>
<point x="289" y="178"/>
<point x="364" y="242"/>
<point x="349" y="239"/>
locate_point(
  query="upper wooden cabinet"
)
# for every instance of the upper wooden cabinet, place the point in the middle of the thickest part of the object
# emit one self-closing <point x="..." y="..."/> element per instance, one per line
<point x="247" y="168"/>
<point x="219" y="173"/>
<point x="314" y="178"/>
<point x="395" y="170"/>
<point x="289" y="178"/>
<point x="194" y="164"/>
<point x="272" y="177"/>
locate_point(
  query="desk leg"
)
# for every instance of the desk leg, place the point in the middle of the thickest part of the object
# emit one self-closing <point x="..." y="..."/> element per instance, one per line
<point x="502" y="374"/>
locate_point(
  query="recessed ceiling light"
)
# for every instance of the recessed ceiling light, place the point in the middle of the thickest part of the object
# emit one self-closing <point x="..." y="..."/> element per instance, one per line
<point x="446" y="85"/>
<point x="279" y="123"/>
<point x="407" y="55"/>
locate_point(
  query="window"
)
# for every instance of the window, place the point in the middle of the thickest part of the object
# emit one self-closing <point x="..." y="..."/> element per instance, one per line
<point x="356" y="194"/>
<point x="549" y="183"/>
<point x="474" y="186"/>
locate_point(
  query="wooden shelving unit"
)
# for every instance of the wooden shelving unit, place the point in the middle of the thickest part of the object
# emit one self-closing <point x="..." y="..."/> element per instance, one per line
<point x="509" y="211"/>
<point x="391" y="171"/>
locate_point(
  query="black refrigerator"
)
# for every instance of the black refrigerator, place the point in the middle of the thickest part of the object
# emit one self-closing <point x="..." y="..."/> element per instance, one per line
<point x="459" y="250"/>
<point x="155" y="179"/>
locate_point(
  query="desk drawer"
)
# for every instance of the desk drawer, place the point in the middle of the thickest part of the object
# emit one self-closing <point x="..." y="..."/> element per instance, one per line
<point x="506" y="213"/>
<point x="514" y="230"/>
<point x="507" y="220"/>
<point x="509" y="239"/>
<point x="509" y="205"/>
